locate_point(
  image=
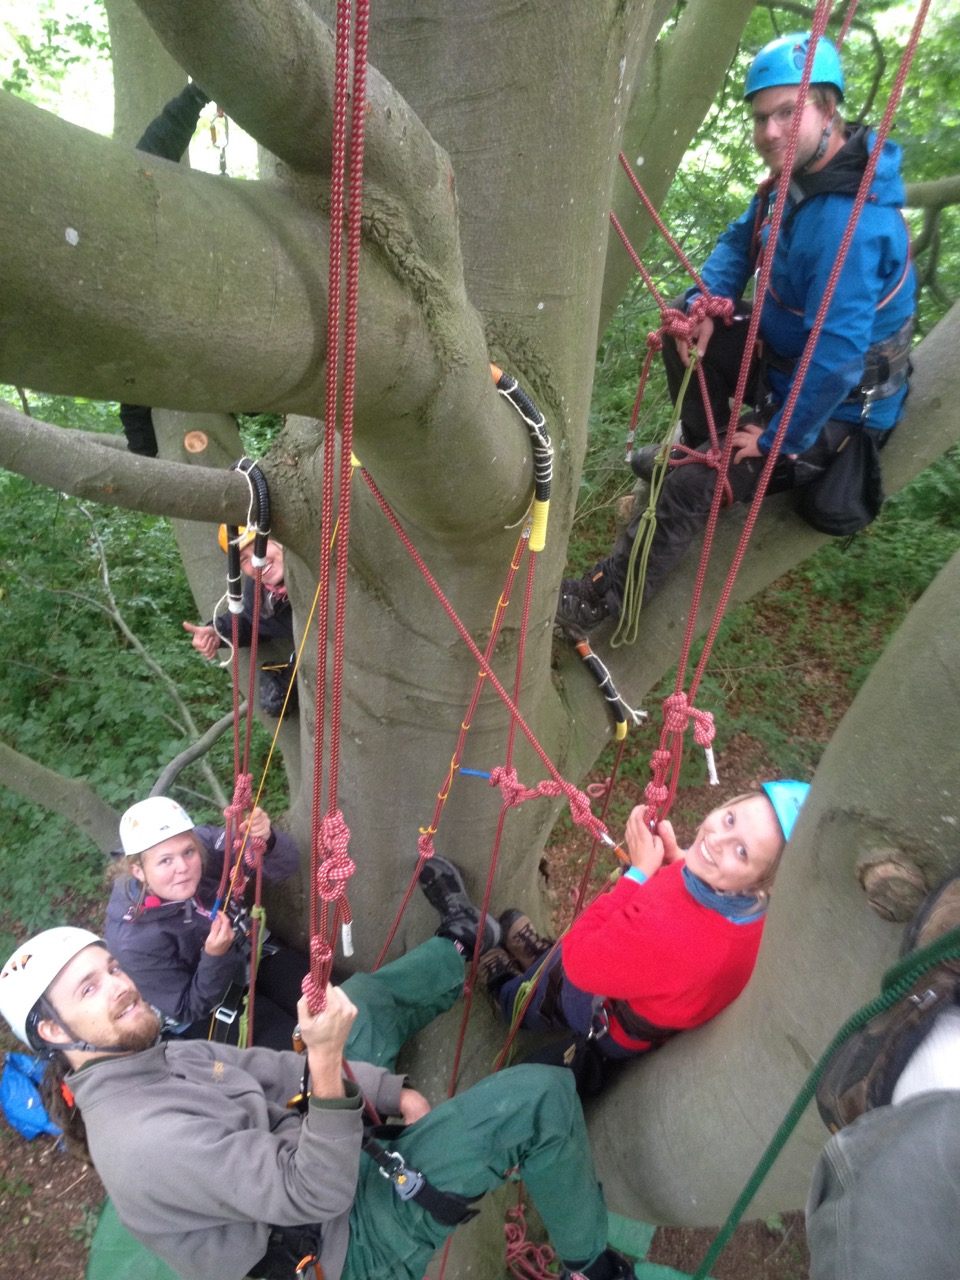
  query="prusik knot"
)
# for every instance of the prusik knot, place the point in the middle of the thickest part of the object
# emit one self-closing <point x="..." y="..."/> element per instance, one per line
<point x="655" y="340"/>
<point x="335" y="864"/>
<point x="511" y="788"/>
<point x="677" y="713"/>
<point x="242" y="793"/>
<point x="708" y="304"/>
<point x="655" y="794"/>
<point x="425" y="845"/>
<point x="679" y="325"/>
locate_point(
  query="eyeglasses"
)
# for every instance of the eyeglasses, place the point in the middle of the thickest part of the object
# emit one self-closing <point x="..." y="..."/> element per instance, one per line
<point x="782" y="116"/>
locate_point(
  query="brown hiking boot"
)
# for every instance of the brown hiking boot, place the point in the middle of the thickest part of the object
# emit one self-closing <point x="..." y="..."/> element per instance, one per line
<point x="521" y="939"/>
<point x="495" y="968"/>
<point x="864" y="1070"/>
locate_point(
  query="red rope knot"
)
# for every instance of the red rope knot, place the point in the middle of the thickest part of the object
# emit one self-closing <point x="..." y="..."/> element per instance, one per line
<point x="314" y="985"/>
<point x="678" y="324"/>
<point x="336" y="866"/>
<point x="425" y="845"/>
<point x="708" y="304"/>
<point x="243" y="793"/>
<point x="511" y="788"/>
<point x="253" y="853"/>
<point x="655" y="340"/>
<point x="655" y="794"/>
<point x="580" y="810"/>
<point x="676" y="713"/>
<point x="704" y="730"/>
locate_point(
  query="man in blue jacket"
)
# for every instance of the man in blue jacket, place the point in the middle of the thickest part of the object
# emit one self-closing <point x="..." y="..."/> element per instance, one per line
<point x="858" y="374"/>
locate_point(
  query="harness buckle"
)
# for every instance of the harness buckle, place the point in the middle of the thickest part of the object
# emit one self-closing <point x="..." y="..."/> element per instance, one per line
<point x="406" y="1182"/>
<point x="225" y="1014"/>
<point x="599" y="1023"/>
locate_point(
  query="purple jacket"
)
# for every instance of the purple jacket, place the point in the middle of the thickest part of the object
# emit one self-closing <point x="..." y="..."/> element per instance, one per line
<point x="161" y="946"/>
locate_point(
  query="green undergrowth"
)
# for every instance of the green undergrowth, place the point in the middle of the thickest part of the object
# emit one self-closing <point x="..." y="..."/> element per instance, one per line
<point x="76" y="696"/>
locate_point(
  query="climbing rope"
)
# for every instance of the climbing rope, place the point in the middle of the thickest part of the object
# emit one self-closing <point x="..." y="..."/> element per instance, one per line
<point x="330" y="863"/>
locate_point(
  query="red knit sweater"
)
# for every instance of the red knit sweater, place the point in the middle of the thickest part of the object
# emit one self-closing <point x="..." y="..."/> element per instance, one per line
<point x="675" y="962"/>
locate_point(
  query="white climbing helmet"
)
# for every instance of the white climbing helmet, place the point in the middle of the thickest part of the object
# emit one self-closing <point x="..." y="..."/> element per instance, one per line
<point x="149" y="821"/>
<point x="31" y="969"/>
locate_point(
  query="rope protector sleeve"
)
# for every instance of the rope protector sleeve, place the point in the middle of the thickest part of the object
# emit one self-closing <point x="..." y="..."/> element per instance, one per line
<point x="623" y="713"/>
<point x="260" y="504"/>
<point x="536" y="424"/>
<point x="234" y="576"/>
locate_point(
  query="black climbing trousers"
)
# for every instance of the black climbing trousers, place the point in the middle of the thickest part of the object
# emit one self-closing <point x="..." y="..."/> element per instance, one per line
<point x="687" y="491"/>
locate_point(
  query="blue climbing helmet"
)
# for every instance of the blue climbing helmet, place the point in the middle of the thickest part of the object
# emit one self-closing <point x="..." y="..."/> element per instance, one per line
<point x="787" y="797"/>
<point x="782" y="61"/>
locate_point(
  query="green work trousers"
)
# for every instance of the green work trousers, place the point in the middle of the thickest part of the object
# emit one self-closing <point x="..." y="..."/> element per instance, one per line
<point x="526" y="1118"/>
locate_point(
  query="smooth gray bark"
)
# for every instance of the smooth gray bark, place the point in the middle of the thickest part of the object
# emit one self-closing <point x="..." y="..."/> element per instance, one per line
<point x="707" y="1104"/>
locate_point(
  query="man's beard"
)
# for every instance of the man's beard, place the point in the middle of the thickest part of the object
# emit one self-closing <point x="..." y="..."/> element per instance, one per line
<point x="142" y="1035"/>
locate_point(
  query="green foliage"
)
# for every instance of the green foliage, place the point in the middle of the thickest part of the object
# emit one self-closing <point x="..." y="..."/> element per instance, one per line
<point x="41" y="42"/>
<point x="77" y="696"/>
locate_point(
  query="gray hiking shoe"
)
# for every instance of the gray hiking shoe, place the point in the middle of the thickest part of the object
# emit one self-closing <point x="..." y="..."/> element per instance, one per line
<point x="444" y="888"/>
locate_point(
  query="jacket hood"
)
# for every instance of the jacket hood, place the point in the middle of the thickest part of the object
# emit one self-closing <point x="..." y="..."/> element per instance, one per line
<point x="843" y="173"/>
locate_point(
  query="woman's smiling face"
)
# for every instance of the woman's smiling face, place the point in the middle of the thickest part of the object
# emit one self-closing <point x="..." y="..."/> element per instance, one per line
<point x="736" y="846"/>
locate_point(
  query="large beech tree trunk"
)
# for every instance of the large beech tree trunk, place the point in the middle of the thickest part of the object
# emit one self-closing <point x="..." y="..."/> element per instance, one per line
<point x="492" y="139"/>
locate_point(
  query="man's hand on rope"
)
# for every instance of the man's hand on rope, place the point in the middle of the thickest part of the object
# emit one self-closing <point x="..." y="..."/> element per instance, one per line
<point x="649" y="851"/>
<point x="701" y="340"/>
<point x="413" y="1106"/>
<point x="746" y="439"/>
<point x="325" y="1035"/>
<point x="220" y="938"/>
<point x="205" y="640"/>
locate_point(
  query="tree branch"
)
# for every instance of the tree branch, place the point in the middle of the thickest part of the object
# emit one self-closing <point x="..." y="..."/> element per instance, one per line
<point x="233" y="274"/>
<point x="196" y="749"/>
<point x="270" y="63"/>
<point x="76" y="463"/>
<point x="71" y="798"/>
<point x="935" y="194"/>
<point x="680" y="80"/>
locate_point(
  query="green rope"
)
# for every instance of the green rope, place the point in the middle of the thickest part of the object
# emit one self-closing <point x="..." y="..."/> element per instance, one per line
<point x="897" y="981"/>
<point x="628" y="624"/>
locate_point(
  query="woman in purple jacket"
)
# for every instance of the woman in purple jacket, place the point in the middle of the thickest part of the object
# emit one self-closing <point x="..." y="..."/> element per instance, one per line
<point x="188" y="959"/>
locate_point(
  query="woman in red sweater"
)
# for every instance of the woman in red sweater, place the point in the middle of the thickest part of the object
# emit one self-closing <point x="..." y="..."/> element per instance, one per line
<point x="673" y="943"/>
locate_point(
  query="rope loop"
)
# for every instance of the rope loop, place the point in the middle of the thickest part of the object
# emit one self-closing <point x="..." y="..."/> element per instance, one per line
<point x="526" y="1260"/>
<point x="253" y="851"/>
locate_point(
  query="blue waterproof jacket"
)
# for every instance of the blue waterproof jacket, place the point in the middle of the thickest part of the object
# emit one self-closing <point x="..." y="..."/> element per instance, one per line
<point x="874" y="298"/>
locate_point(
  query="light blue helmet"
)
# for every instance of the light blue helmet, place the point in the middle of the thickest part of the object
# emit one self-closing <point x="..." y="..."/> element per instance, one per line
<point x="782" y="61"/>
<point x="787" y="797"/>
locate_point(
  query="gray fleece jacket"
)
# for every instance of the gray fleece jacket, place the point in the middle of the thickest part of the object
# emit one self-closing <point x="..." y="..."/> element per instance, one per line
<point x="200" y="1153"/>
